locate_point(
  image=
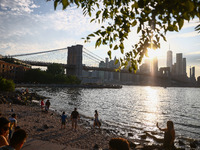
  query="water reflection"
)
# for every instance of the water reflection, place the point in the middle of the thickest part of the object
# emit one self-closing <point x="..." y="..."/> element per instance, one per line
<point x="151" y="104"/>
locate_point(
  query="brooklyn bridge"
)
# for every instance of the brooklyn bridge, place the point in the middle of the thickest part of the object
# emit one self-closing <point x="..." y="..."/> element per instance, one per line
<point x="78" y="62"/>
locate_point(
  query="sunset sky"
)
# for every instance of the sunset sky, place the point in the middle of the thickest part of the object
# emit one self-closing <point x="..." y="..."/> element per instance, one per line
<point x="32" y="25"/>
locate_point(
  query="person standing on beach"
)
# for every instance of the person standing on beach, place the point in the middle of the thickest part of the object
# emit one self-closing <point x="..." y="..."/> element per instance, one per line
<point x="47" y="105"/>
<point x="63" y="120"/>
<point x="74" y="118"/>
<point x="13" y="124"/>
<point x="169" y="135"/>
<point x="42" y="104"/>
<point x="4" y="131"/>
<point x="17" y="141"/>
<point x="96" y="119"/>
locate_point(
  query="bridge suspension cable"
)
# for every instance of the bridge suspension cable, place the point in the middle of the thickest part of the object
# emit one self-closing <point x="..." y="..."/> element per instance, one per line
<point x="94" y="55"/>
<point x="39" y="52"/>
<point x="91" y="57"/>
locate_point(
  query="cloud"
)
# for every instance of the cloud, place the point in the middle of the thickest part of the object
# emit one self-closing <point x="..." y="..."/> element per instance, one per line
<point x="193" y="23"/>
<point x="17" y="7"/>
<point x="193" y="53"/>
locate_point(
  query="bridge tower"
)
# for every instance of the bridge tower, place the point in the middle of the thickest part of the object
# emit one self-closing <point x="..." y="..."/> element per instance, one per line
<point x="74" y="59"/>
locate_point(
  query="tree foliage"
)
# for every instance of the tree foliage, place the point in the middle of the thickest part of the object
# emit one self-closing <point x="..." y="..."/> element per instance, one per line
<point x="55" y="69"/>
<point x="39" y="76"/>
<point x="152" y="19"/>
<point x="6" y="85"/>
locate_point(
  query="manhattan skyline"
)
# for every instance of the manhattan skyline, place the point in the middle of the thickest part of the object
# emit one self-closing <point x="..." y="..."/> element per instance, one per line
<point x="33" y="26"/>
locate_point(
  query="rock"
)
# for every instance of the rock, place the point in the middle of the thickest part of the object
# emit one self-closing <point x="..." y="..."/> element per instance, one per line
<point x="181" y="143"/>
<point x="45" y="126"/>
<point x="194" y="144"/>
<point x="130" y="134"/>
<point x="39" y="129"/>
<point x="132" y="145"/>
<point x="143" y="136"/>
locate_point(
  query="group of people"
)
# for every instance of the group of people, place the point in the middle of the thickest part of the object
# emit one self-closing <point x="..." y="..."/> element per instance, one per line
<point x="12" y="137"/>
<point x="74" y="118"/>
<point x="169" y="132"/>
<point x="45" y="106"/>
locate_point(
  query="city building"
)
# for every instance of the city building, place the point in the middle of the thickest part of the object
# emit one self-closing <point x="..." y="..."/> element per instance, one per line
<point x="12" y="71"/>
<point x="169" y="59"/>
<point x="179" y="64"/>
<point x="154" y="66"/>
<point x="184" y="67"/>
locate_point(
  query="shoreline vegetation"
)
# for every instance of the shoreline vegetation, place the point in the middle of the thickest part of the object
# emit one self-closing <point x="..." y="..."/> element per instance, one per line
<point x="46" y="126"/>
<point x="117" y="86"/>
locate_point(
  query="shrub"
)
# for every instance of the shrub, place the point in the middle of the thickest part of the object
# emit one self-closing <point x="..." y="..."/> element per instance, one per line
<point x="6" y="85"/>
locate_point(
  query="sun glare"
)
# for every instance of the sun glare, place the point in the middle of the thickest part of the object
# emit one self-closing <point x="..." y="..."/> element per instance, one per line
<point x="153" y="53"/>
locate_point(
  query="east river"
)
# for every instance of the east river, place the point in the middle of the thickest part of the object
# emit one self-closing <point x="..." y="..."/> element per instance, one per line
<point x="133" y="109"/>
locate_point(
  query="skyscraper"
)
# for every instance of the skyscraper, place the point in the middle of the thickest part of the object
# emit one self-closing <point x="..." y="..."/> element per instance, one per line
<point x="184" y="66"/>
<point x="179" y="64"/>
<point x="169" y="59"/>
<point x="154" y="66"/>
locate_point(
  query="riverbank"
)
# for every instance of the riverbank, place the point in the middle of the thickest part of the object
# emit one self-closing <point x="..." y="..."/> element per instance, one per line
<point x="46" y="127"/>
<point x="71" y="85"/>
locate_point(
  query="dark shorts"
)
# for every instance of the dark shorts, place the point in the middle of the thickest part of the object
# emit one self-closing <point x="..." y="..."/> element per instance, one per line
<point x="63" y="122"/>
<point x="74" y="120"/>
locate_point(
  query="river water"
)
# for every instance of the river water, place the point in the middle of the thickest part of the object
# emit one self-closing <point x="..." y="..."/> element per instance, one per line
<point x="133" y="109"/>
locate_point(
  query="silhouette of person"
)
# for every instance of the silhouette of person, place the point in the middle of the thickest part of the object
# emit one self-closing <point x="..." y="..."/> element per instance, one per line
<point x="42" y="104"/>
<point x="96" y="119"/>
<point x="169" y="135"/>
<point x="63" y="120"/>
<point x="47" y="105"/>
<point x="17" y="141"/>
<point x="4" y="131"/>
<point x="74" y="117"/>
<point x="118" y="144"/>
<point x="13" y="124"/>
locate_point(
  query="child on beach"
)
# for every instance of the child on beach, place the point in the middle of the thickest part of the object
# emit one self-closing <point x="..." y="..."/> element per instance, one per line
<point x="42" y="104"/>
<point x="169" y="135"/>
<point x="96" y="120"/>
<point x="63" y="120"/>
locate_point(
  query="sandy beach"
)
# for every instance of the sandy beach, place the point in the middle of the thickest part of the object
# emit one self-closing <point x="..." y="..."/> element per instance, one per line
<point x="47" y="127"/>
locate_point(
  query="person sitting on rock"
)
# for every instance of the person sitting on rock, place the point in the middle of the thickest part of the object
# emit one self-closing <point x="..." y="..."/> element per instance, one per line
<point x="169" y="135"/>
<point x="17" y="141"/>
<point x="4" y="131"/>
<point x="118" y="144"/>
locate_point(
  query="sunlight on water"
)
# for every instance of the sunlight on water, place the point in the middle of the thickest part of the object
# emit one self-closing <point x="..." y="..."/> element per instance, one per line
<point x="151" y="104"/>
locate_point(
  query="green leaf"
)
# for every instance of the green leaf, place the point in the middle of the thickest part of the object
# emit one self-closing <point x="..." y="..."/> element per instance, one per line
<point x="98" y="13"/>
<point x="116" y="61"/>
<point x="55" y="4"/>
<point x="65" y="3"/>
<point x="116" y="47"/>
<point x="134" y="23"/>
<point x="91" y="35"/>
<point x="138" y="29"/>
<point x="180" y="23"/>
<point x="109" y="53"/>
<point x="92" y="20"/>
<point x="98" y="43"/>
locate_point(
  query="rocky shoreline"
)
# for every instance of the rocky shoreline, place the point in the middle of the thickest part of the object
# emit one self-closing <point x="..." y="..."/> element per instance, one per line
<point x="46" y="126"/>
